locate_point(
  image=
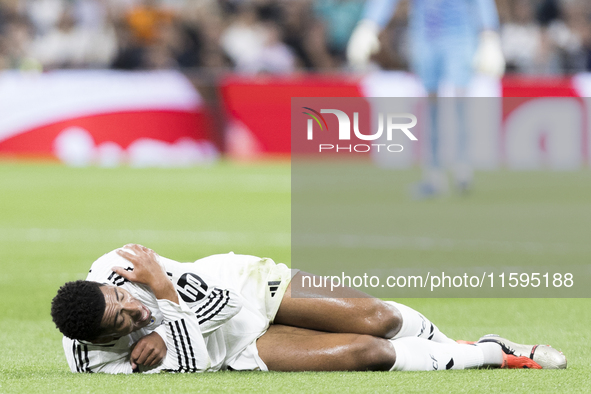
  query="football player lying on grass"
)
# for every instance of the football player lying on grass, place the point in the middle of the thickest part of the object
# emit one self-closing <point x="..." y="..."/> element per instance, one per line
<point x="140" y="312"/>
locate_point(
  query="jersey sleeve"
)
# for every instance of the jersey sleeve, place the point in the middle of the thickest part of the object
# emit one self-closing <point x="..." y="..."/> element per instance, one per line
<point x="101" y="270"/>
<point x="186" y="349"/>
<point x="212" y="303"/>
<point x="217" y="308"/>
<point x="88" y="358"/>
<point x="488" y="14"/>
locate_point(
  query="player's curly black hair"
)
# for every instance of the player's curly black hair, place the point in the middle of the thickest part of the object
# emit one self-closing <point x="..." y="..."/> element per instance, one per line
<point x="78" y="308"/>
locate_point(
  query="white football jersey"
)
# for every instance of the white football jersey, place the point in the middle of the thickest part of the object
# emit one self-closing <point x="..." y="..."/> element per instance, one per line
<point x="222" y="311"/>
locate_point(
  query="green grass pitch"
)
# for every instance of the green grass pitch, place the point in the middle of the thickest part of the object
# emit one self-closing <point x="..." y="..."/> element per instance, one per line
<point x="54" y="221"/>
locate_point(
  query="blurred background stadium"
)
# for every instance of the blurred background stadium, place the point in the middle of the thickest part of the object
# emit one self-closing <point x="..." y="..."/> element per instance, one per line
<point x="540" y="37"/>
<point x="226" y="68"/>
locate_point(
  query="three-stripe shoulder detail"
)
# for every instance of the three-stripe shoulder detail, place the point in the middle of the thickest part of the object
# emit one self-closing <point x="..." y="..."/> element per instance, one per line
<point x="216" y="302"/>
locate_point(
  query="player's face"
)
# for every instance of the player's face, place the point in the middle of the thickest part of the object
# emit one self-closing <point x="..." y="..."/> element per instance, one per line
<point x="123" y="313"/>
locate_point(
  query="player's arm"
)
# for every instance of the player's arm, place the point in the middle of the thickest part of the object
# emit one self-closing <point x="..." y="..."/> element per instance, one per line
<point x="364" y="40"/>
<point x="380" y="11"/>
<point x="489" y="58"/>
<point x="85" y="357"/>
<point x="218" y="304"/>
<point x="116" y="357"/>
<point x="488" y="15"/>
<point x="186" y="350"/>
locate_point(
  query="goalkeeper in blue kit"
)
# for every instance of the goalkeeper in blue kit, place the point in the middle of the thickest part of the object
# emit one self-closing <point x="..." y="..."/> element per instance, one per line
<point x="449" y="40"/>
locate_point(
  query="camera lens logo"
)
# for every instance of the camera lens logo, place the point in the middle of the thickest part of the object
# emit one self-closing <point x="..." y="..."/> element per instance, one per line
<point x="310" y="124"/>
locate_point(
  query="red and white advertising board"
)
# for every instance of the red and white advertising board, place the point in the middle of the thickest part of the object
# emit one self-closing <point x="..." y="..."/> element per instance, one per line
<point x="105" y="118"/>
<point x="158" y="118"/>
<point x="539" y="123"/>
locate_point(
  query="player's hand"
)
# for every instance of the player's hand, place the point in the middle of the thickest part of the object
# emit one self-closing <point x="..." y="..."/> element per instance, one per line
<point x="149" y="351"/>
<point x="363" y="43"/>
<point x="146" y="270"/>
<point x="489" y="59"/>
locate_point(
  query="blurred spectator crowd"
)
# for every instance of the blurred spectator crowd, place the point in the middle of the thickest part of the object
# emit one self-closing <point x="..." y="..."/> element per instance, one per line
<point x="542" y="37"/>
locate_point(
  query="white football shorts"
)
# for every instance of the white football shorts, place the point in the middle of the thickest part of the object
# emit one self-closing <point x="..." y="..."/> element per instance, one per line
<point x="262" y="283"/>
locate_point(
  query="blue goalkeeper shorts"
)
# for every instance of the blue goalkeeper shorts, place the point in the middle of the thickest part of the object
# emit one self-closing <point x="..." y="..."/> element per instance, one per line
<point x="443" y="59"/>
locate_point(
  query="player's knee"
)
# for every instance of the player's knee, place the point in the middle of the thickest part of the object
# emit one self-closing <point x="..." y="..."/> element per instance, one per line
<point x="372" y="353"/>
<point x="383" y="320"/>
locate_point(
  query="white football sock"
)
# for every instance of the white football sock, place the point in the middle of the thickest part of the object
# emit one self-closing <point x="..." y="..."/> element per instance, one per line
<point x="416" y="325"/>
<point x="493" y="355"/>
<point x="418" y="354"/>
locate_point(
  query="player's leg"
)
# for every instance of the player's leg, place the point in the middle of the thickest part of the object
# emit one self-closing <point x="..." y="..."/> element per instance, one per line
<point x="459" y="53"/>
<point x="427" y="63"/>
<point x="462" y="169"/>
<point x="284" y="348"/>
<point x="343" y="310"/>
<point x="346" y="310"/>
